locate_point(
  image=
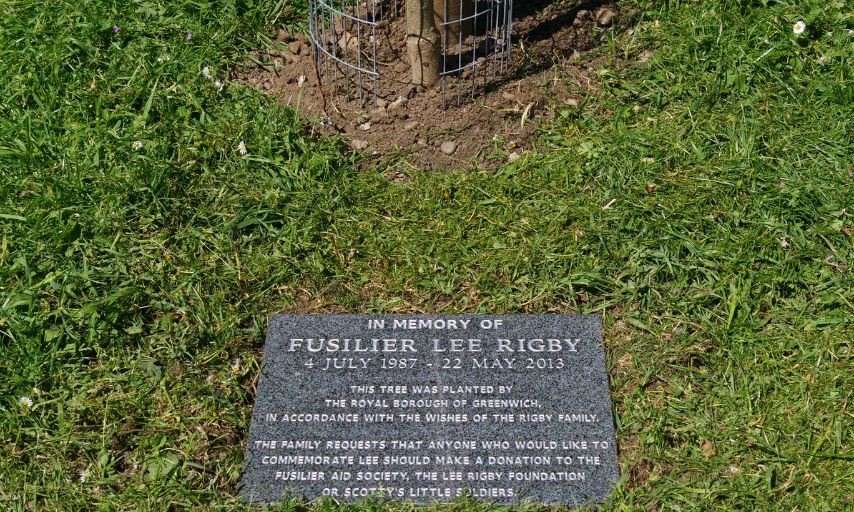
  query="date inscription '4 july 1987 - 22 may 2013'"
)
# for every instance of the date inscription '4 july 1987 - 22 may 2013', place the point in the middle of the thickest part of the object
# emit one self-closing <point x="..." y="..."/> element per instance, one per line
<point x="505" y="408"/>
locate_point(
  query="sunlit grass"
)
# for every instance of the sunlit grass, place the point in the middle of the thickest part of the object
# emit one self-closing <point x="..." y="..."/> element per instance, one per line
<point x="153" y="215"/>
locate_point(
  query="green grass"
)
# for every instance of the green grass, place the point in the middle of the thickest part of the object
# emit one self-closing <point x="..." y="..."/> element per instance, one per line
<point x="135" y="285"/>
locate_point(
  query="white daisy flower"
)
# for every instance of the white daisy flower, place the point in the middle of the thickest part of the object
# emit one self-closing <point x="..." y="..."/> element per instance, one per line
<point x="784" y="242"/>
<point x="734" y="470"/>
<point x="656" y="24"/>
<point x="84" y="475"/>
<point x="25" y="402"/>
<point x="207" y="73"/>
<point x="137" y="145"/>
<point x="829" y="33"/>
<point x="172" y="88"/>
<point x="799" y="27"/>
<point x="236" y="366"/>
<point x="824" y="60"/>
<point x="242" y="148"/>
<point x="219" y="85"/>
<point x="163" y="58"/>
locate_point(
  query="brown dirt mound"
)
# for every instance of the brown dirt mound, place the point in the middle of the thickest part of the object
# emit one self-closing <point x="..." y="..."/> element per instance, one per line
<point x="410" y="129"/>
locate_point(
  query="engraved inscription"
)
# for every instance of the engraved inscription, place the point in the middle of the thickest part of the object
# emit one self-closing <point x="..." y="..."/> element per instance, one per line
<point x="503" y="408"/>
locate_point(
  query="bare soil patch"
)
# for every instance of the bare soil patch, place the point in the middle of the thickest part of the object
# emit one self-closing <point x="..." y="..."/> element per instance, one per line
<point x="409" y="129"/>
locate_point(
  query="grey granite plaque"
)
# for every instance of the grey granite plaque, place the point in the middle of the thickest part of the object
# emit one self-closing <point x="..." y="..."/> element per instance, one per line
<point x="505" y="408"/>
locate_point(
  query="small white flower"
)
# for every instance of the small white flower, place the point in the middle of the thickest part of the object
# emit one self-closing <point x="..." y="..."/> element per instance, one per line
<point x="784" y="242"/>
<point x="656" y="24"/>
<point x="301" y="80"/>
<point x="829" y="33"/>
<point x="137" y="145"/>
<point x="25" y="402"/>
<point x="207" y="73"/>
<point x="765" y="40"/>
<point x="219" y="85"/>
<point x="209" y="380"/>
<point x="824" y="60"/>
<point x="236" y="366"/>
<point x="172" y="88"/>
<point x="799" y="27"/>
<point x="242" y="148"/>
<point x="163" y="58"/>
<point x="97" y="491"/>
<point x="84" y="475"/>
<point x="734" y="470"/>
<point x="851" y="32"/>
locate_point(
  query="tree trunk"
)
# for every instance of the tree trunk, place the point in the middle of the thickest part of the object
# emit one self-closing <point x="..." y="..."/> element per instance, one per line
<point x="450" y="11"/>
<point x="423" y="42"/>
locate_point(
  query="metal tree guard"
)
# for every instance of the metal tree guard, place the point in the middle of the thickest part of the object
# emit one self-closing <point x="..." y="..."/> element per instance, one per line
<point x="474" y="38"/>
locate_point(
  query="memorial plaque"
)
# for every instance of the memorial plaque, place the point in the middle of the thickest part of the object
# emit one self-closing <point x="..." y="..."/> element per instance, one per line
<point x="504" y="408"/>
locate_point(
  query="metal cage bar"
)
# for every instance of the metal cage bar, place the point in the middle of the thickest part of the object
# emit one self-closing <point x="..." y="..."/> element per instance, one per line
<point x="344" y="37"/>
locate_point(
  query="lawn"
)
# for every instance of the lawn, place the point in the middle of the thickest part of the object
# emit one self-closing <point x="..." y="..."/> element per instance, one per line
<point x="153" y="214"/>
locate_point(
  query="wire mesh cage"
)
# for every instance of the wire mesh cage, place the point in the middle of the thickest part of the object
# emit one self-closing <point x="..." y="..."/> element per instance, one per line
<point x="359" y="47"/>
